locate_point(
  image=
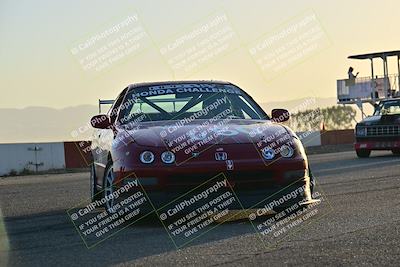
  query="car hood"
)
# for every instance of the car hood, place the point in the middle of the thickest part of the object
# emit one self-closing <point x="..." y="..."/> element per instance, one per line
<point x="380" y="120"/>
<point x="170" y="133"/>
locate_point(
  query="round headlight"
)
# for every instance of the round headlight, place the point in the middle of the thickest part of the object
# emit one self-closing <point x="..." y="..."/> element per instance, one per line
<point x="147" y="157"/>
<point x="268" y="153"/>
<point x="168" y="157"/>
<point x="361" y="131"/>
<point x="286" y="151"/>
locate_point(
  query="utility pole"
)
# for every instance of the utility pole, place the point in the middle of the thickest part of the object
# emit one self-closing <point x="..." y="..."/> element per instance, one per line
<point x="36" y="149"/>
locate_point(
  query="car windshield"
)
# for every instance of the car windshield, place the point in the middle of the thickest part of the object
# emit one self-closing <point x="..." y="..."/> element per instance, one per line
<point x="388" y="108"/>
<point x="194" y="101"/>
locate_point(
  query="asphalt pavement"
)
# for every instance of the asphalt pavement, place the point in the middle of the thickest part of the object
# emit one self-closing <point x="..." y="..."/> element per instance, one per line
<point x="357" y="223"/>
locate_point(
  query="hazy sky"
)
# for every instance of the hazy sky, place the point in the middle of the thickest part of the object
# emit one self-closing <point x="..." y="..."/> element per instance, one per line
<point x="39" y="68"/>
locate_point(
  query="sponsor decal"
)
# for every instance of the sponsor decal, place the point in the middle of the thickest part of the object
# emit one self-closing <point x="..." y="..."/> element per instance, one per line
<point x="185" y="88"/>
<point x="220" y="156"/>
<point x="268" y="153"/>
<point x="229" y="165"/>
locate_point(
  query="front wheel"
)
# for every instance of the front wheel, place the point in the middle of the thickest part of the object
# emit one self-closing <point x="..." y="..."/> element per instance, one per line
<point x="363" y="153"/>
<point x="93" y="184"/>
<point x="396" y="151"/>
<point x="109" y="188"/>
<point x="312" y="180"/>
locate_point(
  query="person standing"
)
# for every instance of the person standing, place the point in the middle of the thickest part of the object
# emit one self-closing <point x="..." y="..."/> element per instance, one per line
<point x="351" y="75"/>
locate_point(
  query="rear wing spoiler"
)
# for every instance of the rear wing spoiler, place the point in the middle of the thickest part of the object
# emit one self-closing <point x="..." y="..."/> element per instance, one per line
<point x="104" y="102"/>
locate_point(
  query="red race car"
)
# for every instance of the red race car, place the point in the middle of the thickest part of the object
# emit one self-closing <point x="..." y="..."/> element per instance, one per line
<point x="172" y="137"/>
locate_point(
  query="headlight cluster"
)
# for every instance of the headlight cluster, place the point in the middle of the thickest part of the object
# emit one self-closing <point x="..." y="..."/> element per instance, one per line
<point x="285" y="151"/>
<point x="361" y="131"/>
<point x="168" y="157"/>
<point x="148" y="157"/>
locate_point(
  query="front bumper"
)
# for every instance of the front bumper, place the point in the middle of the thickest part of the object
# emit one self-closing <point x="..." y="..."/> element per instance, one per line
<point x="380" y="144"/>
<point x="254" y="184"/>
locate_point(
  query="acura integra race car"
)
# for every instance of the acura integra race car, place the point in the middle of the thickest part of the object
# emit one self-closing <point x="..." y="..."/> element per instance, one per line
<point x="172" y="137"/>
<point x="381" y="131"/>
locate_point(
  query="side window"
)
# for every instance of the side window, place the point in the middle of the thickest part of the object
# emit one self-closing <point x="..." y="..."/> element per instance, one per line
<point x="113" y="112"/>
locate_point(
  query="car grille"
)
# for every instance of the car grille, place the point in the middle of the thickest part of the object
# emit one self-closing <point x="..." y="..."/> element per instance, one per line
<point x="383" y="130"/>
<point x="244" y="179"/>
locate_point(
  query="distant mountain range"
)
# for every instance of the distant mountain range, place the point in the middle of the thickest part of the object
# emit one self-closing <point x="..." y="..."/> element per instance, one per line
<point x="300" y="104"/>
<point x="42" y="124"/>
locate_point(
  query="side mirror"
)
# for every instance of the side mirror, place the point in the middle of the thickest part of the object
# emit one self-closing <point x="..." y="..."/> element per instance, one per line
<point x="100" y="121"/>
<point x="280" y="115"/>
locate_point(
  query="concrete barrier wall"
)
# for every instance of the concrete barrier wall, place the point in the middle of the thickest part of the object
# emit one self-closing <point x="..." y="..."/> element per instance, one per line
<point x="77" y="154"/>
<point x="29" y="156"/>
<point x="337" y="137"/>
<point x="310" y="138"/>
<point x="71" y="155"/>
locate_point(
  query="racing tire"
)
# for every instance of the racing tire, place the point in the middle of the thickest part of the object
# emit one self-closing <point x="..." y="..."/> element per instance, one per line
<point x="396" y="151"/>
<point x="363" y="153"/>
<point x="312" y="180"/>
<point x="311" y="185"/>
<point x="93" y="184"/>
<point x="109" y="187"/>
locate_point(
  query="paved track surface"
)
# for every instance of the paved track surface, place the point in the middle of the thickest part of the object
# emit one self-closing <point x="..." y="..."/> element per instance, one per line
<point x="358" y="223"/>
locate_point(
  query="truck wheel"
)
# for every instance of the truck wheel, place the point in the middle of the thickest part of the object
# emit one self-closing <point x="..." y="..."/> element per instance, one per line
<point x="396" y="151"/>
<point x="363" y="153"/>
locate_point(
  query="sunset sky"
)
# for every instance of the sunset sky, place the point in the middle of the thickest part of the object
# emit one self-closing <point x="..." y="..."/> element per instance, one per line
<point x="38" y="68"/>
